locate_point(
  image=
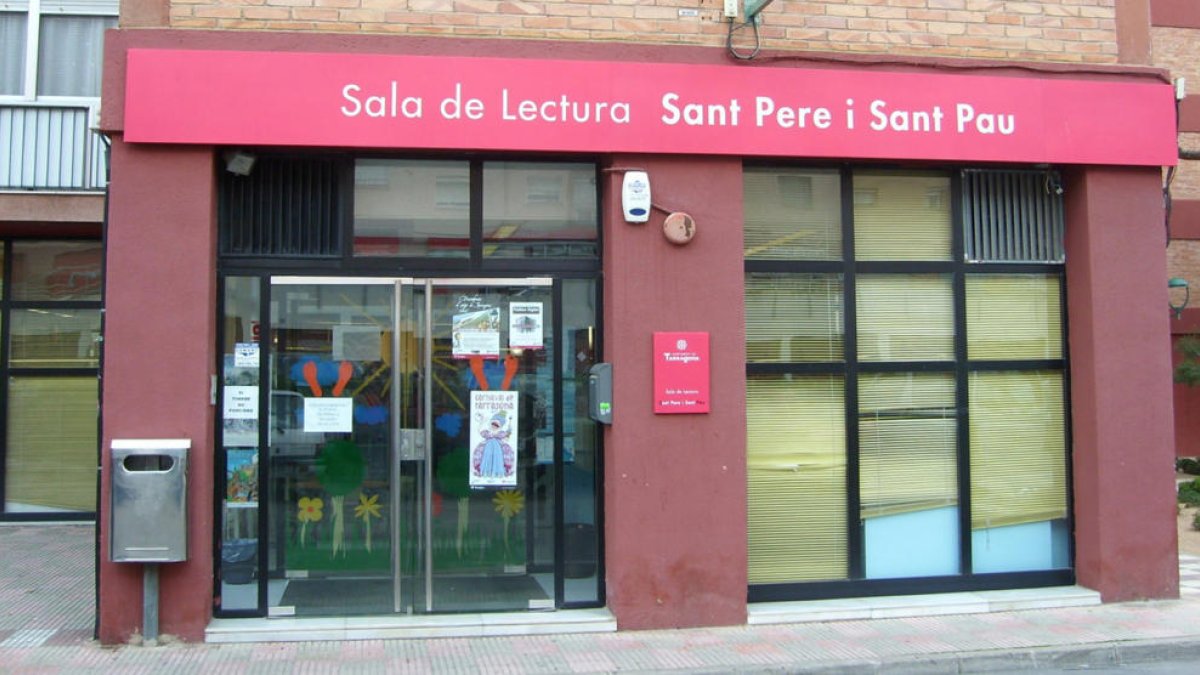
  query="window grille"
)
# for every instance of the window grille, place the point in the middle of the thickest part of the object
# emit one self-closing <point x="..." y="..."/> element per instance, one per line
<point x="285" y="207"/>
<point x="1012" y="216"/>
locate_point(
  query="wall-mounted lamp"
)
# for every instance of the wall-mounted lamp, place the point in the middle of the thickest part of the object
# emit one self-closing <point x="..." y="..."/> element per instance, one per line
<point x="239" y="162"/>
<point x="1172" y="284"/>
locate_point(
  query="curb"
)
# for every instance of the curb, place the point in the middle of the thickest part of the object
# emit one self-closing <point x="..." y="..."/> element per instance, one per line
<point x="1110" y="654"/>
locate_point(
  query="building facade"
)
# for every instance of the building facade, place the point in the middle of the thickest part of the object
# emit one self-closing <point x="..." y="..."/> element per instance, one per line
<point x="1174" y="29"/>
<point x="880" y="285"/>
<point x="52" y="178"/>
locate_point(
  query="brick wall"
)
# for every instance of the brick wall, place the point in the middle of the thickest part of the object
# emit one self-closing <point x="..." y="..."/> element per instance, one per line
<point x="1175" y="39"/>
<point x="1074" y="31"/>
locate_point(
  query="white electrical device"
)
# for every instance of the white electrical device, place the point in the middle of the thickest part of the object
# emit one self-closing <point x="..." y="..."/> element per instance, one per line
<point x="731" y="9"/>
<point x="635" y="196"/>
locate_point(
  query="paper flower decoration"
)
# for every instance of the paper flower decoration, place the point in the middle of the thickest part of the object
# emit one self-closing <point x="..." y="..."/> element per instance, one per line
<point x="368" y="508"/>
<point x="508" y="503"/>
<point x="309" y="512"/>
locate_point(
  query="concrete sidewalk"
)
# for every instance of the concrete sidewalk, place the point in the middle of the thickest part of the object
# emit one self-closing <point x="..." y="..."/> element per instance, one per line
<point x="46" y="604"/>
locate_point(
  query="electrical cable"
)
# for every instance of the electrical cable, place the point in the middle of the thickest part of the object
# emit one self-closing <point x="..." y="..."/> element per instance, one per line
<point x="734" y="26"/>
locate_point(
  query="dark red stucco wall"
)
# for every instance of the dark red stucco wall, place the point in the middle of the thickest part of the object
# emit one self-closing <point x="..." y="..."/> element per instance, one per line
<point x="675" y="485"/>
<point x="1122" y="420"/>
<point x="160" y="343"/>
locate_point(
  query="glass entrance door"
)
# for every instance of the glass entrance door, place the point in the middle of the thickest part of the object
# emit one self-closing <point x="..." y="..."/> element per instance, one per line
<point x="412" y="463"/>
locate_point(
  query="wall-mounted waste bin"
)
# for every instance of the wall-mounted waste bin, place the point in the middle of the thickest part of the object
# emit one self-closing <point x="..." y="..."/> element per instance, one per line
<point x="149" y="500"/>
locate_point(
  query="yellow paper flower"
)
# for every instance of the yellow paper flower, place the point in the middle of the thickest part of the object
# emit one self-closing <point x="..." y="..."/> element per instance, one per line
<point x="367" y="508"/>
<point x="310" y="509"/>
<point x="509" y="503"/>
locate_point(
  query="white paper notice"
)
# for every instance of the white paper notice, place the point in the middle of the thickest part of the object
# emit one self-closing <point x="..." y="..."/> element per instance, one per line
<point x="328" y="415"/>
<point x="245" y="355"/>
<point x="525" y="325"/>
<point x="241" y="403"/>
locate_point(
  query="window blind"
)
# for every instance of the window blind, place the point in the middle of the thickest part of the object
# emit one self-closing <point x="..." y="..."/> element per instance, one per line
<point x="905" y="317"/>
<point x="792" y="215"/>
<point x="793" y="317"/>
<point x="1018" y="448"/>
<point x="907" y="443"/>
<point x="796" y="466"/>
<point x="1014" y="317"/>
<point x="51" y="458"/>
<point x="12" y="53"/>
<point x="901" y="216"/>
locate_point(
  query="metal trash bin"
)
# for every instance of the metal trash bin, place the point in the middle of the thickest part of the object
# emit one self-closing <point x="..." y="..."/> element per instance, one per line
<point x="149" y="500"/>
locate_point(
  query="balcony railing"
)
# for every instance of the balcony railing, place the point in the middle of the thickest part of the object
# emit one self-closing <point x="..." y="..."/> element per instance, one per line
<point x="50" y="147"/>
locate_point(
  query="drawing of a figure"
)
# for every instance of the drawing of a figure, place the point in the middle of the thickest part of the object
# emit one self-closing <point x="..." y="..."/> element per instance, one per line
<point x="493" y="458"/>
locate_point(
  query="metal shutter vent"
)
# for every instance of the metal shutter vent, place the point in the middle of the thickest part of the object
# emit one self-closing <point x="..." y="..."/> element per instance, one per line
<point x="1012" y="216"/>
<point x="284" y="207"/>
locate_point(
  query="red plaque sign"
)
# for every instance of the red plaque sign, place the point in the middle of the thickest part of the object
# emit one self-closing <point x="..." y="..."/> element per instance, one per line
<point x="681" y="373"/>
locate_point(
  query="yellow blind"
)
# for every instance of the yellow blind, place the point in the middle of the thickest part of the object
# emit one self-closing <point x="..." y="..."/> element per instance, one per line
<point x="52" y="442"/>
<point x="793" y="317"/>
<point x="792" y="215"/>
<point x="905" y="317"/>
<point x="907" y="441"/>
<point x="796" y="466"/>
<point x="1014" y="316"/>
<point x="1018" y="448"/>
<point x="901" y="216"/>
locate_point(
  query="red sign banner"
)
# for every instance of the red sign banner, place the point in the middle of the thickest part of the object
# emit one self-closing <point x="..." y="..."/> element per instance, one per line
<point x="468" y="103"/>
<point x="681" y="373"/>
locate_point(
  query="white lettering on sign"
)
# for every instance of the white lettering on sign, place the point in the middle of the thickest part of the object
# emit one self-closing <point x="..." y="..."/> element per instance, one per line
<point x="380" y="105"/>
<point x="905" y="120"/>
<point x="787" y="117"/>
<point x="562" y="109"/>
<point x="700" y="114"/>
<point x="984" y="123"/>
<point x="389" y="102"/>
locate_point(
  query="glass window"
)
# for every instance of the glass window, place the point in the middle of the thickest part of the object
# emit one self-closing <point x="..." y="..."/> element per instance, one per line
<point x="796" y="468"/>
<point x="536" y="210"/>
<point x="12" y="53"/>
<point x="793" y="214"/>
<point x="411" y="208"/>
<point x="71" y="54"/>
<point x="51" y="452"/>
<point x="56" y="270"/>
<point x="54" y="338"/>
<point x="908" y="476"/>
<point x="905" y="317"/>
<point x="581" y="447"/>
<point x="1018" y="471"/>
<point x="1014" y="317"/>
<point x="239" y="440"/>
<point x="793" y="317"/>
<point x="914" y="345"/>
<point x="901" y="216"/>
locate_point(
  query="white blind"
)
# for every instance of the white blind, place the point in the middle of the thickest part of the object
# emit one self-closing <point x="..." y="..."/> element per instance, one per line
<point x="899" y="216"/>
<point x="1014" y="317"/>
<point x="1018" y="448"/>
<point x="793" y="317"/>
<point x="796" y="473"/>
<point x="792" y="215"/>
<point x="907" y="441"/>
<point x="71" y="54"/>
<point x="12" y="53"/>
<point x="905" y="317"/>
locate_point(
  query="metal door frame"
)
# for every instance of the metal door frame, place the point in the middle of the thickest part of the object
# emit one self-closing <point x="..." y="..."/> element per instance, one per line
<point x="427" y="284"/>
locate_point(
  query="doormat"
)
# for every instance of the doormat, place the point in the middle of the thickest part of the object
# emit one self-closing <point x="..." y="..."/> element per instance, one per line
<point x="350" y="597"/>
